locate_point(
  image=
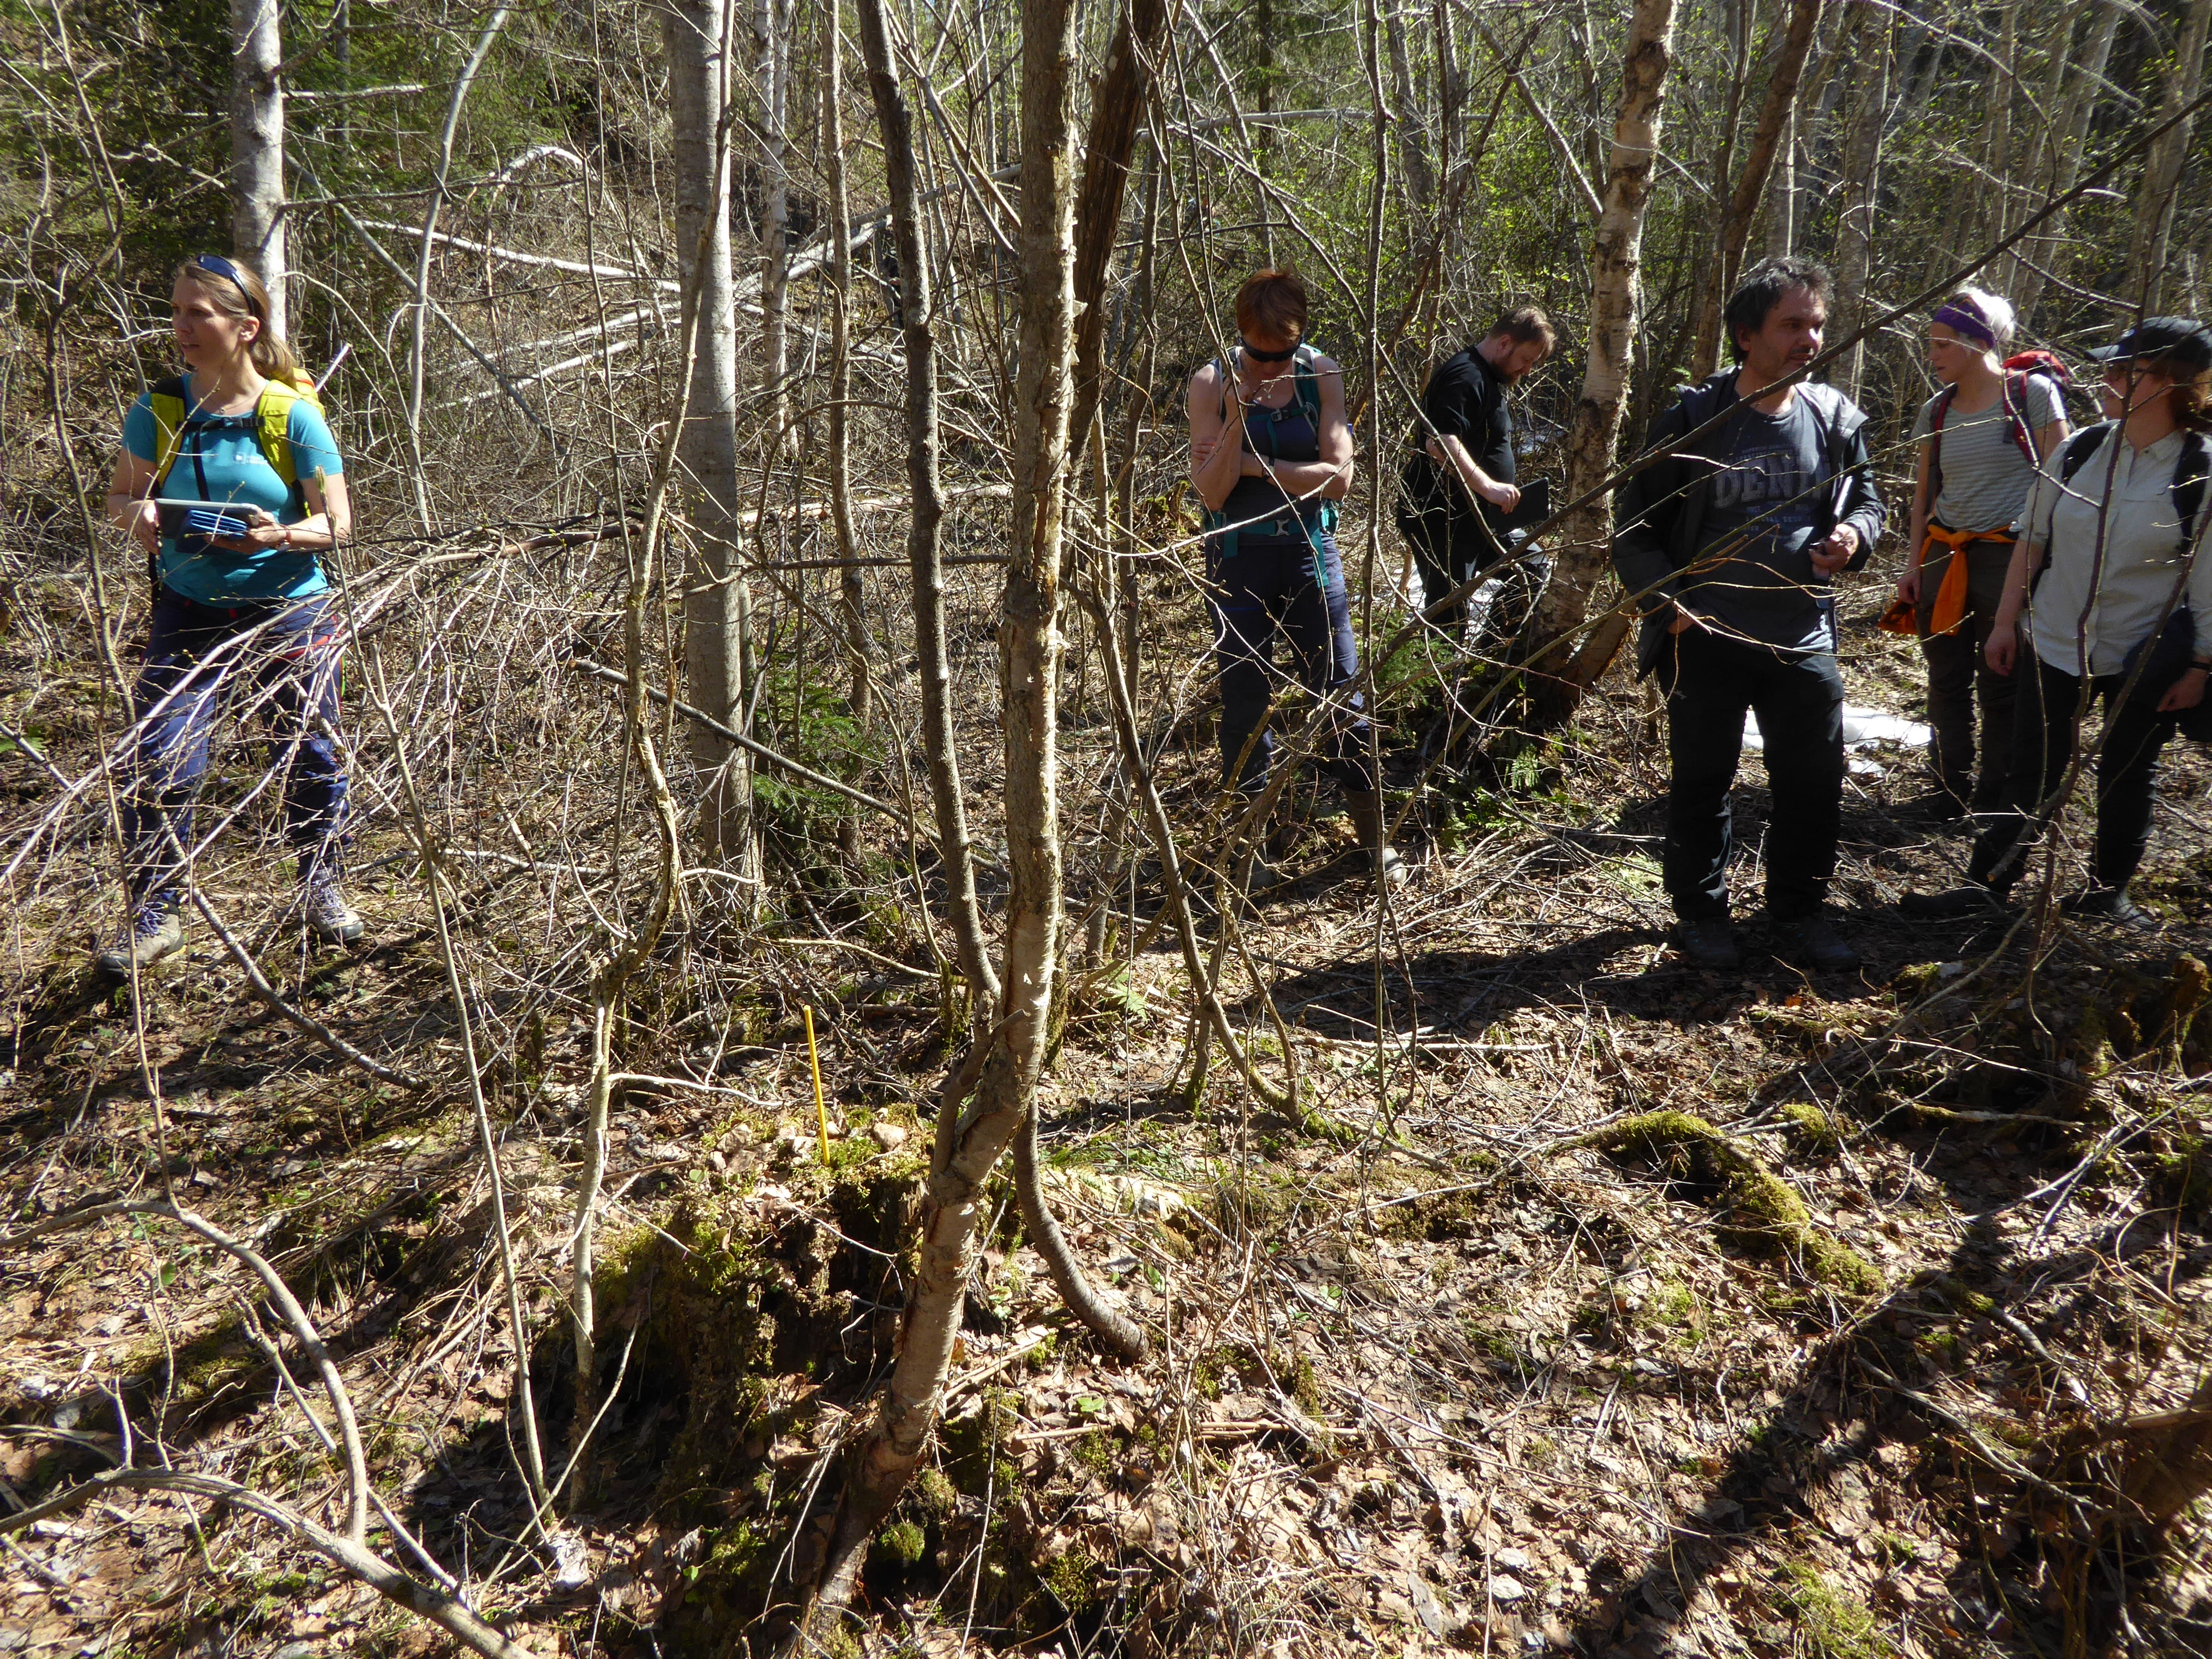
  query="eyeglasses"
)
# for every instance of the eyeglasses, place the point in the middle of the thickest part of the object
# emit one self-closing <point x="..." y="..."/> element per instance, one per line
<point x="222" y="267"/>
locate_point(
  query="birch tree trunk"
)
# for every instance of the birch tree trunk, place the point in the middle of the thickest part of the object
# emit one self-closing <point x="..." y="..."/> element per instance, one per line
<point x="1775" y="118"/>
<point x="257" y="147"/>
<point x="1560" y="675"/>
<point x="2154" y="196"/>
<point x="1012" y="1052"/>
<point x="917" y="318"/>
<point x="697" y="37"/>
<point x="1862" y="182"/>
<point x="851" y="600"/>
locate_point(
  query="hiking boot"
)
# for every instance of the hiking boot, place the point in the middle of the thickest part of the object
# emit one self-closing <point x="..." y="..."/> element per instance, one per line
<point x="2110" y="904"/>
<point x="1813" y="941"/>
<point x="1365" y="808"/>
<point x="1708" y="942"/>
<point x="329" y="919"/>
<point x="1975" y="898"/>
<point x="155" y="932"/>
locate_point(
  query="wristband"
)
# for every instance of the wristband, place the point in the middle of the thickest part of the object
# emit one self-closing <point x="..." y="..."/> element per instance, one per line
<point x="2204" y="664"/>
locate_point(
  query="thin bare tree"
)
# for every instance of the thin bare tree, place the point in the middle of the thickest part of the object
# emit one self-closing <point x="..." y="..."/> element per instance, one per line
<point x="1003" y="1064"/>
<point x="2155" y="196"/>
<point x="1775" y="113"/>
<point x="925" y="526"/>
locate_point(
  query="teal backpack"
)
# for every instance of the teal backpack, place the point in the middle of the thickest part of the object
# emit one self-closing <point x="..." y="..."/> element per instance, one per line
<point x="1316" y="520"/>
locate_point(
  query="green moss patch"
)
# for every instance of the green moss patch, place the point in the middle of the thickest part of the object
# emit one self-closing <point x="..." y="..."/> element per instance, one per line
<point x="1760" y="1205"/>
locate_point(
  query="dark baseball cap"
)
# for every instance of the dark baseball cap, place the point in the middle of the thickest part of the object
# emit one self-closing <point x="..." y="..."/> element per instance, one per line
<point x="2184" y="340"/>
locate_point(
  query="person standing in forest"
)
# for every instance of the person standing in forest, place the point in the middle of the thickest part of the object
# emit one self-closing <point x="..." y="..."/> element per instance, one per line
<point x="1462" y="480"/>
<point x="1979" y="443"/>
<point x="2119" y="512"/>
<point x="1271" y="456"/>
<point x="1727" y="545"/>
<point x="241" y="597"/>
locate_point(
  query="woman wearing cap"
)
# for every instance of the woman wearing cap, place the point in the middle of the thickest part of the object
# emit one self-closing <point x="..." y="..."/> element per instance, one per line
<point x="1979" y="441"/>
<point x="2115" y="522"/>
<point x="241" y="598"/>
<point x="1271" y="456"/>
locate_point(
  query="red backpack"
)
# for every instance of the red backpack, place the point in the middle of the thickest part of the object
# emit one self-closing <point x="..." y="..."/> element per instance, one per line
<point x="2014" y="395"/>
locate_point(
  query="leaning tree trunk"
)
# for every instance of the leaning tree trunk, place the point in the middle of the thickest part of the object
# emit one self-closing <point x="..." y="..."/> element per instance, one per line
<point x="1012" y="1050"/>
<point x="2155" y="196"/>
<point x="917" y="315"/>
<point x="1774" y="120"/>
<point x="696" y="32"/>
<point x="257" y="147"/>
<point x="1560" y="675"/>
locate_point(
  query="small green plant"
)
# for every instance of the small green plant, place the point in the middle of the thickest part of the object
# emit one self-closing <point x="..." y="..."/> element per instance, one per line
<point x="902" y="1542"/>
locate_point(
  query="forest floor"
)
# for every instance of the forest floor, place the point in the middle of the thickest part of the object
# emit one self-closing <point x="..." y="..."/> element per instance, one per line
<point x="1862" y="1351"/>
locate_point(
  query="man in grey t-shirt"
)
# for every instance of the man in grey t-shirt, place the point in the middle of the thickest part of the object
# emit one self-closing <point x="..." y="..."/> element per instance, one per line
<point x="1726" y="543"/>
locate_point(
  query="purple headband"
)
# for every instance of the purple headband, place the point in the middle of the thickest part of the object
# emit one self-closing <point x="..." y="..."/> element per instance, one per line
<point x="1971" y="323"/>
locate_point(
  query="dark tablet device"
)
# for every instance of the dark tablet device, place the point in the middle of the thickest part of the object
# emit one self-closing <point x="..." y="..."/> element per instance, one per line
<point x="1536" y="507"/>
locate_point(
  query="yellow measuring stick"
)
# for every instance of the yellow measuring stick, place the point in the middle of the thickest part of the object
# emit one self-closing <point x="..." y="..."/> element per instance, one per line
<point x="814" y="1060"/>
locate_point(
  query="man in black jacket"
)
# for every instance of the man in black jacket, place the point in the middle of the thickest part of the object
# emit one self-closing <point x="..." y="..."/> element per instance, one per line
<point x="1727" y="545"/>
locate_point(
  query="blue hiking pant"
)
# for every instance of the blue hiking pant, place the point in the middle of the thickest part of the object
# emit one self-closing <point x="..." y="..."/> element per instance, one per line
<point x="284" y="655"/>
<point x="1269" y="589"/>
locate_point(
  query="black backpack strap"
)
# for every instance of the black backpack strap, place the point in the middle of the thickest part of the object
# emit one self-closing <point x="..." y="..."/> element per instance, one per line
<point x="2078" y="448"/>
<point x="2190" y="473"/>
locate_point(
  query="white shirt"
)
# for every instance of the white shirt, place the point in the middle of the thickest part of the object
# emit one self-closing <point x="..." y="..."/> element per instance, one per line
<point x="2142" y="555"/>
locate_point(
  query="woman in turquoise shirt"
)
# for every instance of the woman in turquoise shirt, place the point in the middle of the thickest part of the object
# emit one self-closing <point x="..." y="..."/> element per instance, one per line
<point x="241" y="598"/>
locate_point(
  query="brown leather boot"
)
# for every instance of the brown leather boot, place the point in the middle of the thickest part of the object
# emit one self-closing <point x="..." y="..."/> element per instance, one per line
<point x="1365" y="807"/>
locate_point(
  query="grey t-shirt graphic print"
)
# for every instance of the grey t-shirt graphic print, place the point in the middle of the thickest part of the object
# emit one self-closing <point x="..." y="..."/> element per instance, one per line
<point x="1763" y="514"/>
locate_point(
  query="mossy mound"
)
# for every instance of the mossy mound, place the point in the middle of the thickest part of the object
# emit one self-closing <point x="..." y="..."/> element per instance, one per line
<point x="748" y="1316"/>
<point x="1761" y="1206"/>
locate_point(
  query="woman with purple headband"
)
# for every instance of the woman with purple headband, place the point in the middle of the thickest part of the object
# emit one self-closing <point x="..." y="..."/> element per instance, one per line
<point x="1980" y="439"/>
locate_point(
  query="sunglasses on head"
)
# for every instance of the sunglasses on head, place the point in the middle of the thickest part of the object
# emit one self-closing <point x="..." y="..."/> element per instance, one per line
<point x="218" y="265"/>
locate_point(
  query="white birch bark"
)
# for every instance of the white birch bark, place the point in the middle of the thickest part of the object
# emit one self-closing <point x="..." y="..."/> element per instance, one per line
<point x="697" y="35"/>
<point x="257" y="147"/>
<point x="1594" y="434"/>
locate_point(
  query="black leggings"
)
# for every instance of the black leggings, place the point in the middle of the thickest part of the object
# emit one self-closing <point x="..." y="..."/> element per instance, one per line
<point x="2042" y="746"/>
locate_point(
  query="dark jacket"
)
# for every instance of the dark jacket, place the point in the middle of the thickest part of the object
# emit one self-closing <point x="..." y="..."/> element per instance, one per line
<point x="1659" y="514"/>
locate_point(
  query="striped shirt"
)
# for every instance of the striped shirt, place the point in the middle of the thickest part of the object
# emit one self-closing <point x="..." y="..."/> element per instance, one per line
<point x="1985" y="477"/>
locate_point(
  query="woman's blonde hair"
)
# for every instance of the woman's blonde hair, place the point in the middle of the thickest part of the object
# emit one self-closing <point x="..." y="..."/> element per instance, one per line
<point x="246" y="296"/>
